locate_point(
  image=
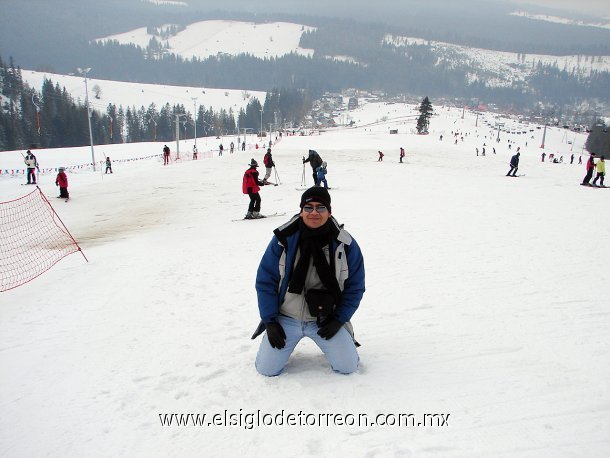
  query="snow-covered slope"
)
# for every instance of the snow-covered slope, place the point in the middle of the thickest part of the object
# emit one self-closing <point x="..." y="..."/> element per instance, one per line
<point x="137" y="94"/>
<point x="486" y="301"/>
<point x="210" y="38"/>
<point x="499" y="68"/>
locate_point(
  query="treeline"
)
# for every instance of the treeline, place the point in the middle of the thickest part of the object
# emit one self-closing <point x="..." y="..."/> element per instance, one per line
<point x="52" y="119"/>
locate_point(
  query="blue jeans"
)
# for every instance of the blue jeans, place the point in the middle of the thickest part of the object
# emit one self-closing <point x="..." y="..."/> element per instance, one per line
<point x="340" y="350"/>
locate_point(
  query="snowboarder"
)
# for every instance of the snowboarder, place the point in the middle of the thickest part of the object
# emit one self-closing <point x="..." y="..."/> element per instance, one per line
<point x="311" y="298"/>
<point x="514" y="165"/>
<point x="315" y="161"/>
<point x="402" y="153"/>
<point x="251" y="186"/>
<point x="32" y="164"/>
<point x="108" y="165"/>
<point x="321" y="175"/>
<point x="601" y="172"/>
<point x="62" y="182"/>
<point x="165" y="155"/>
<point x="269" y="164"/>
<point x="589" y="167"/>
<point x="380" y="156"/>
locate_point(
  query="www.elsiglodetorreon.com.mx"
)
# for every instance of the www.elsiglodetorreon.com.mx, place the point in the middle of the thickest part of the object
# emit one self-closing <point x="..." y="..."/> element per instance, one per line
<point x="256" y="419"/>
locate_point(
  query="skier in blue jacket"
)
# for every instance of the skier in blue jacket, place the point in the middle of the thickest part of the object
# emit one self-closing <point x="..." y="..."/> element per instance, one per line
<point x="309" y="283"/>
<point x="321" y="175"/>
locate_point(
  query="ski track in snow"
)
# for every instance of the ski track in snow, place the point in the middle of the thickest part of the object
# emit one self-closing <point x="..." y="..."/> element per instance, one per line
<point x="486" y="299"/>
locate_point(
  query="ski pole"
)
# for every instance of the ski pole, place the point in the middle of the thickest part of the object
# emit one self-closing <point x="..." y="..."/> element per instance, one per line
<point x="303" y="176"/>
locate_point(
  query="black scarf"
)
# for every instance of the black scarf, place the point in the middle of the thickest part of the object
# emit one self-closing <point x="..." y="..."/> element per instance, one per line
<point x="311" y="242"/>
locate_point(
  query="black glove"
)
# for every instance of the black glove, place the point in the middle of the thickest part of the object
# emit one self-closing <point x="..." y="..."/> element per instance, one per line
<point x="329" y="327"/>
<point x="276" y="335"/>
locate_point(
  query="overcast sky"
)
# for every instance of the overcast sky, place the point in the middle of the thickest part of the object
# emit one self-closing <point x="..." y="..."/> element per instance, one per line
<point x="596" y="7"/>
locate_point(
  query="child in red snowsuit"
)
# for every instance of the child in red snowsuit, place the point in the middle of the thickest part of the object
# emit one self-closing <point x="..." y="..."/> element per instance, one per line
<point x="62" y="182"/>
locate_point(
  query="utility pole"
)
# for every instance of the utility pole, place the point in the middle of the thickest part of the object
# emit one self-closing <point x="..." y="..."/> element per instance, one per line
<point x="261" y="132"/>
<point x="84" y="71"/>
<point x="195" y="118"/>
<point x="543" y="136"/>
<point x="178" y="134"/>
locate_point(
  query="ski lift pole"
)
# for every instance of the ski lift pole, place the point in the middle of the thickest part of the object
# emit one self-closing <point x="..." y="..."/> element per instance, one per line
<point x="37" y="113"/>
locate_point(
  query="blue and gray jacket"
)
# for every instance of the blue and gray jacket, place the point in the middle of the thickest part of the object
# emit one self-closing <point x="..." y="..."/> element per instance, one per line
<point x="275" y="270"/>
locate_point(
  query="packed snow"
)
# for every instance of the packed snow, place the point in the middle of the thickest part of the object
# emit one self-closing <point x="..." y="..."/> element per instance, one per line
<point x="487" y="300"/>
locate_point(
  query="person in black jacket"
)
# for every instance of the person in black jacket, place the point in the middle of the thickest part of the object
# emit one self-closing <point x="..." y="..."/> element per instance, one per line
<point x="269" y="164"/>
<point x="514" y="165"/>
<point x="315" y="161"/>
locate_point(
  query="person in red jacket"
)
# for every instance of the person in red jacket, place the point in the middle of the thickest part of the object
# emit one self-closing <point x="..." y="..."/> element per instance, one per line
<point x="590" y="167"/>
<point x="251" y="186"/>
<point x="62" y="182"/>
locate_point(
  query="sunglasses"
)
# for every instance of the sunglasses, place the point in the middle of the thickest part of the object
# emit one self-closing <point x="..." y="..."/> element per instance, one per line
<point x="318" y="208"/>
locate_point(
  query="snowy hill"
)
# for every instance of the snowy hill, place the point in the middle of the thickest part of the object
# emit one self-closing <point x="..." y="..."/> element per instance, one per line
<point x="210" y="38"/>
<point x="496" y="68"/>
<point x="139" y="94"/>
<point x="486" y="302"/>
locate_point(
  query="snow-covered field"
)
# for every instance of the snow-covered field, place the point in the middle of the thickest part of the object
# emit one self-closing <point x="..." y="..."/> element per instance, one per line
<point x="487" y="299"/>
<point x="210" y="38"/>
<point x="500" y="68"/>
<point x="139" y="94"/>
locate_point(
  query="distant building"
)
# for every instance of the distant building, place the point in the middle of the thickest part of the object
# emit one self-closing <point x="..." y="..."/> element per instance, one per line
<point x="352" y="103"/>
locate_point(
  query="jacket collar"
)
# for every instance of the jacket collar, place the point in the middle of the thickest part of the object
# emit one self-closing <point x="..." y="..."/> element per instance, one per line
<point x="292" y="226"/>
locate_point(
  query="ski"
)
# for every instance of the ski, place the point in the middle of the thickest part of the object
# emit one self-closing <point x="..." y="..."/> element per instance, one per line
<point x="303" y="189"/>
<point x="271" y="183"/>
<point x="260" y="217"/>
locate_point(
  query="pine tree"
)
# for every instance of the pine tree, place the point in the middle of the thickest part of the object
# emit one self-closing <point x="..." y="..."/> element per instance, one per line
<point x="425" y="110"/>
<point x="598" y="141"/>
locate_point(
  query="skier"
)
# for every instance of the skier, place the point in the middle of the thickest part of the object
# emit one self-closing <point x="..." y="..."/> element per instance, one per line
<point x="543" y="155"/>
<point x="243" y="145"/>
<point x="62" y="182"/>
<point x="269" y="164"/>
<point x="572" y="159"/>
<point x="309" y="283"/>
<point x="32" y="164"/>
<point x="589" y="167"/>
<point x="321" y="175"/>
<point x="251" y="185"/>
<point x="601" y="172"/>
<point x="380" y="156"/>
<point x="402" y="153"/>
<point x="108" y="165"/>
<point x="579" y="160"/>
<point x="195" y="152"/>
<point x="514" y="165"/>
<point x="232" y="146"/>
<point x="220" y="149"/>
<point x="165" y="155"/>
<point x="315" y="161"/>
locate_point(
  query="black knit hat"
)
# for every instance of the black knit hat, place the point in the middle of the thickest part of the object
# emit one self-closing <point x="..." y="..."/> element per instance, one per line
<point x="316" y="194"/>
<point x="253" y="163"/>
